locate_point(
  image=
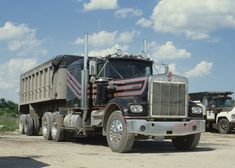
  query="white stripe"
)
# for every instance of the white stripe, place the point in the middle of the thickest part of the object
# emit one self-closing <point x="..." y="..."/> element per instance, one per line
<point x="74" y="79"/>
<point x="74" y="92"/>
<point x="73" y="85"/>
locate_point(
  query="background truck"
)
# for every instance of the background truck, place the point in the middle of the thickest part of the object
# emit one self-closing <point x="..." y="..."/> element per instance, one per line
<point x="220" y="113"/>
<point x="116" y="96"/>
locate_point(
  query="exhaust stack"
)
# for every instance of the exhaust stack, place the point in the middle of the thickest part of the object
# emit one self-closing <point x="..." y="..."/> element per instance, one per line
<point x="145" y="48"/>
<point x="84" y="81"/>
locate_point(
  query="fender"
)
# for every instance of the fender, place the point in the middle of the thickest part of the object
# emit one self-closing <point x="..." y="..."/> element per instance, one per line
<point x="123" y="104"/>
<point x="226" y="115"/>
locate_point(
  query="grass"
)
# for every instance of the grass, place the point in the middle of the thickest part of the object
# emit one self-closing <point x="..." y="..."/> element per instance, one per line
<point x="8" y="123"/>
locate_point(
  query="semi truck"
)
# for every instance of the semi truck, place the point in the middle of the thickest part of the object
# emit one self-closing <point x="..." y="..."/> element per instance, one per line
<point x="116" y="96"/>
<point x="219" y="113"/>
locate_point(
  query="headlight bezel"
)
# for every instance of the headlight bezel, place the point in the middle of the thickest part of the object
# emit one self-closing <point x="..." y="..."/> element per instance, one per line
<point x="197" y="110"/>
<point x="136" y="108"/>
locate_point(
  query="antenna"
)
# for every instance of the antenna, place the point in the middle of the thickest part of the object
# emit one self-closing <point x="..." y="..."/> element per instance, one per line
<point x="99" y="24"/>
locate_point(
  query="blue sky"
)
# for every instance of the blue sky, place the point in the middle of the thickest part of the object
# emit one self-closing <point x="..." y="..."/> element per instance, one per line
<point x="196" y="38"/>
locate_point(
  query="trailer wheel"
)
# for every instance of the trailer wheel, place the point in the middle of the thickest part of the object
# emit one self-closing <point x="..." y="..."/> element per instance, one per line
<point x="36" y="125"/>
<point x="119" y="140"/>
<point x="28" y="125"/>
<point x="188" y="142"/>
<point x="57" y="131"/>
<point x="46" y="125"/>
<point x="224" y="126"/>
<point x="22" y="123"/>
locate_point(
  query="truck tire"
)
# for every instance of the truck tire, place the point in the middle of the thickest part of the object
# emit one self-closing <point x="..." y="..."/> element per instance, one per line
<point x="36" y="125"/>
<point x="28" y="125"/>
<point x="119" y="140"/>
<point x="57" y="131"/>
<point x="21" y="123"/>
<point x="224" y="126"/>
<point x="188" y="142"/>
<point x="46" y="125"/>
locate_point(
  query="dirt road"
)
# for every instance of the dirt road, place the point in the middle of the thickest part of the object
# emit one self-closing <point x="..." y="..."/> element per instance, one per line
<point x="20" y="151"/>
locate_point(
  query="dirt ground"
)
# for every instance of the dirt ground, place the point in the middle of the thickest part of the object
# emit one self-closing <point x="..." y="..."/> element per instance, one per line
<point x="20" y="151"/>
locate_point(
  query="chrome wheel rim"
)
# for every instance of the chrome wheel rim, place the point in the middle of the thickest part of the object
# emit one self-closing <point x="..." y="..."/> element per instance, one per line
<point x="54" y="129"/>
<point x="21" y="128"/>
<point x="44" y="128"/>
<point x="116" y="131"/>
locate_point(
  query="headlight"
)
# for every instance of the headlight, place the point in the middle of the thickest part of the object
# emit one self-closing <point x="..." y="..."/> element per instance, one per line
<point x="233" y="116"/>
<point x="197" y="110"/>
<point x="136" y="108"/>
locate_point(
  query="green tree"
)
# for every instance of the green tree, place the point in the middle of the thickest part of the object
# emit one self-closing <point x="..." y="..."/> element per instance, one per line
<point x="8" y="108"/>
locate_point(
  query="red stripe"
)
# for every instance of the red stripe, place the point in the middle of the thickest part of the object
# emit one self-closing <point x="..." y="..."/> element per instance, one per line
<point x="129" y="92"/>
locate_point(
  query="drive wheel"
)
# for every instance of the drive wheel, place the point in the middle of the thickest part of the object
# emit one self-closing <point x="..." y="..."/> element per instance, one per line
<point x="188" y="142"/>
<point x="36" y="125"/>
<point x="119" y="140"/>
<point x="224" y="126"/>
<point x="22" y="123"/>
<point x="57" y="131"/>
<point x="46" y="125"/>
<point x="28" y="125"/>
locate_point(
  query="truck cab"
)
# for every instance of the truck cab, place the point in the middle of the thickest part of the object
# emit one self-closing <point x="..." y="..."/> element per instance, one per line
<point x="127" y="100"/>
<point x="220" y="113"/>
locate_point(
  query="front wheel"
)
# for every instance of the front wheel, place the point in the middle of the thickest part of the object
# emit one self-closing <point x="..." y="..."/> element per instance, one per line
<point x="188" y="142"/>
<point x="224" y="126"/>
<point x="119" y="140"/>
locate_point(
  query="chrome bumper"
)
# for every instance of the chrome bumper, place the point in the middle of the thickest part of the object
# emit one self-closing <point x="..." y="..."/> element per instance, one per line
<point x="165" y="128"/>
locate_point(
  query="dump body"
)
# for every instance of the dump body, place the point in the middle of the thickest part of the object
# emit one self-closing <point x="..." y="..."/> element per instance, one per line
<point x="45" y="83"/>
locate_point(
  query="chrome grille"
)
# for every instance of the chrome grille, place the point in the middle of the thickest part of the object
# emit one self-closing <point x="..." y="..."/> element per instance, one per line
<point x="168" y="100"/>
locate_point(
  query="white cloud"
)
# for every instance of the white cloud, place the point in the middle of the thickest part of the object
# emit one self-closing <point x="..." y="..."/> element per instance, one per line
<point x="168" y="51"/>
<point x="109" y="51"/>
<point x="127" y="37"/>
<point x="10" y="71"/>
<point x="144" y="22"/>
<point x="108" y="39"/>
<point x="195" y="19"/>
<point x="21" y="39"/>
<point x="128" y="12"/>
<point x="100" y="4"/>
<point x="200" y="70"/>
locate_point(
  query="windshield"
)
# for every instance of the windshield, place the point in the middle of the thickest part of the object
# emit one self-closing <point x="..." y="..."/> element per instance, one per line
<point x="224" y="102"/>
<point x="125" y="69"/>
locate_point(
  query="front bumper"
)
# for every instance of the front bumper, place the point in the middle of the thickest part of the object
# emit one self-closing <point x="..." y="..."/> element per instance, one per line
<point x="165" y="128"/>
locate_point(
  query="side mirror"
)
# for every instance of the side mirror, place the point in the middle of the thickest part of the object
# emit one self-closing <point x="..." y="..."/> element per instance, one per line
<point x="166" y="66"/>
<point x="93" y="68"/>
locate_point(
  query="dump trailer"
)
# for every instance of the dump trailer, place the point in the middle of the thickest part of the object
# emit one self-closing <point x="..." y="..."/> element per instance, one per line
<point x="219" y="113"/>
<point x="116" y="96"/>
